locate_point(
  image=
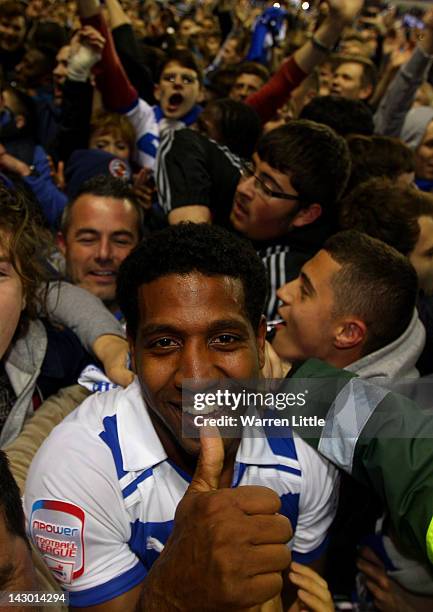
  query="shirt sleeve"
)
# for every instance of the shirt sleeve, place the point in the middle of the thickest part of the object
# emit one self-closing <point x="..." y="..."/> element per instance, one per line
<point x="66" y="304"/>
<point x="143" y="120"/>
<point x="77" y="520"/>
<point x="111" y="78"/>
<point x="183" y="173"/>
<point x="277" y="90"/>
<point x="317" y="504"/>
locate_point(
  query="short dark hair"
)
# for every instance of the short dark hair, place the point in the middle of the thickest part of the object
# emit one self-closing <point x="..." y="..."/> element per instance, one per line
<point x="186" y="248"/>
<point x="376" y="283"/>
<point x="375" y="156"/>
<point x="369" y="73"/>
<point x="12" y="8"/>
<point x="316" y="158"/>
<point x="185" y="58"/>
<point x="10" y="501"/>
<point x="387" y="211"/>
<point x="341" y="114"/>
<point x="104" y="186"/>
<point x="220" y="82"/>
<point x="253" y="68"/>
<point x="237" y="123"/>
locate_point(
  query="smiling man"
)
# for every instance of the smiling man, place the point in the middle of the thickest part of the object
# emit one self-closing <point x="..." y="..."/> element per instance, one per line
<point x="13" y="31"/>
<point x="150" y="526"/>
<point x="100" y="227"/>
<point x="354" y="78"/>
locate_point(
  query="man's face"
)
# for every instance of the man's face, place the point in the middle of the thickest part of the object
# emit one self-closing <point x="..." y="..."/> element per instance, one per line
<point x="308" y="302"/>
<point x="178" y="90"/>
<point x="60" y="72"/>
<point x="31" y="69"/>
<point x="12" y="32"/>
<point x="102" y="232"/>
<point x="422" y="256"/>
<point x="245" y="85"/>
<point x="347" y="82"/>
<point x="12" y="299"/>
<point x="17" y="572"/>
<point x="230" y="53"/>
<point x="191" y="327"/>
<point x="213" y="44"/>
<point x="258" y="216"/>
<point x="188" y="27"/>
<point x="424" y="155"/>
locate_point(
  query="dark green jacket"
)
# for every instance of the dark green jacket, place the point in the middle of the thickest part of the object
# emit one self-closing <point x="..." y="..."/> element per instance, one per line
<point x="382" y="439"/>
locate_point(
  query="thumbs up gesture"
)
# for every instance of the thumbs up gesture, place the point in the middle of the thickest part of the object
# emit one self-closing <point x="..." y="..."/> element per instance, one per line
<point x="228" y="548"/>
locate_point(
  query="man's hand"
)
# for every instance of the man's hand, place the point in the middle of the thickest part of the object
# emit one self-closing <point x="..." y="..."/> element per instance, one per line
<point x="228" y="547"/>
<point x="112" y="352"/>
<point x="385" y="591"/>
<point x="13" y="164"/>
<point x="344" y="11"/>
<point x="143" y="189"/>
<point x="85" y="53"/>
<point x="340" y="14"/>
<point x="274" y="367"/>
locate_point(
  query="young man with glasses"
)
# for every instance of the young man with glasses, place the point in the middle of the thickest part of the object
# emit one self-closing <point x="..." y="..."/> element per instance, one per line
<point x="284" y="201"/>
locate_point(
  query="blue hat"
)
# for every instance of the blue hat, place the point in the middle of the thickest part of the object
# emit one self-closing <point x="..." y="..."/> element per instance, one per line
<point x="85" y="164"/>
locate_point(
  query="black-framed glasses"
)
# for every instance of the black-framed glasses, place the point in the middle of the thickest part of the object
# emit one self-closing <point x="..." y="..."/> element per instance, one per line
<point x="248" y="171"/>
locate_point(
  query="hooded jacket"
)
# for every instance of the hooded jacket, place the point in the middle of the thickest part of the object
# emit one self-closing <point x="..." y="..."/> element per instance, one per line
<point x="396" y="360"/>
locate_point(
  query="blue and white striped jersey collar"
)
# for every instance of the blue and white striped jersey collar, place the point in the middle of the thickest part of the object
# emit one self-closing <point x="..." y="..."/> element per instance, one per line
<point x="141" y="447"/>
<point x="139" y="443"/>
<point x="188" y="119"/>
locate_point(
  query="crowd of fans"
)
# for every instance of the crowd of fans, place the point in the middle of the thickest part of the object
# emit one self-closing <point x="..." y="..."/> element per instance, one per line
<point x="171" y="173"/>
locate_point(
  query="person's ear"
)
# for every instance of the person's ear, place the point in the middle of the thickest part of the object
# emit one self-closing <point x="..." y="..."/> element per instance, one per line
<point x="131" y="343"/>
<point x="200" y="96"/>
<point x="350" y="333"/>
<point x="307" y="215"/>
<point x="157" y="92"/>
<point x="365" y="92"/>
<point x="261" y="339"/>
<point x="61" y="243"/>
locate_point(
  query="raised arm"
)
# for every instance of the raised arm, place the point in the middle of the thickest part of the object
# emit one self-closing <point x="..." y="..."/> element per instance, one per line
<point x="117" y="92"/>
<point x="129" y="51"/>
<point x="400" y="94"/>
<point x="293" y="71"/>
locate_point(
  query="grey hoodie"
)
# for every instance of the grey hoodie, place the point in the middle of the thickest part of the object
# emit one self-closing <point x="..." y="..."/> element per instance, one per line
<point x="415" y="125"/>
<point x="397" y="360"/>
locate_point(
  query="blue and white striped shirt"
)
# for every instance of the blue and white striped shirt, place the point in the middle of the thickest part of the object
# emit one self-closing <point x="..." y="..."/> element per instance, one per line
<point x="101" y="494"/>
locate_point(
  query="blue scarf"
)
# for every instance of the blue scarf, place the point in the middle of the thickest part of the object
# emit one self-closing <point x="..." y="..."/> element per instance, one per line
<point x="270" y="22"/>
